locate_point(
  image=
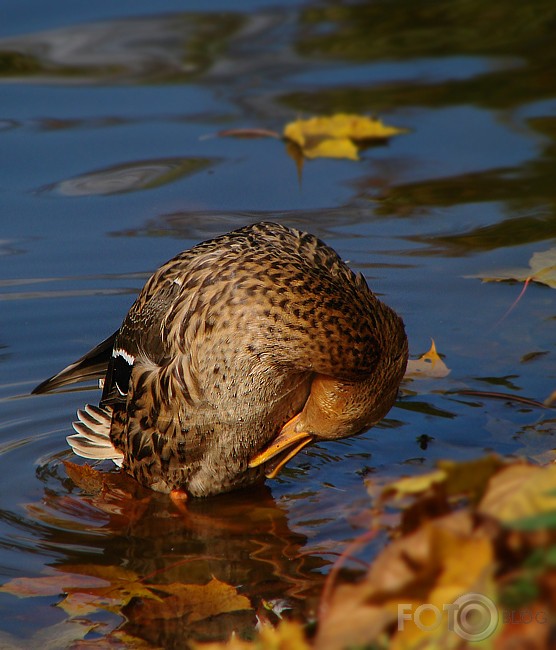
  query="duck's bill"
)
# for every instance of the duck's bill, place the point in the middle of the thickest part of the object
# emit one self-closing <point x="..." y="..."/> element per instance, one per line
<point x="281" y="450"/>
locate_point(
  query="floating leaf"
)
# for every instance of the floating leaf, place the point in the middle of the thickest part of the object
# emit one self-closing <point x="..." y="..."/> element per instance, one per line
<point x="542" y="269"/>
<point x="53" y="585"/>
<point x="427" y="365"/>
<point x="121" y="586"/>
<point x="86" y="477"/>
<point x="337" y="136"/>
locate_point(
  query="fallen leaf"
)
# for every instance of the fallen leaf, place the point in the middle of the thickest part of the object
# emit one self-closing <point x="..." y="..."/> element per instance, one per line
<point x="121" y="585"/>
<point x="85" y="477"/>
<point x="437" y="563"/>
<point x="336" y="136"/>
<point x="542" y="269"/>
<point x="522" y="496"/>
<point x="427" y="365"/>
<point x="413" y="485"/>
<point x="53" y="585"/>
<point x="287" y="635"/>
<point x="196" y="602"/>
<point x="429" y="495"/>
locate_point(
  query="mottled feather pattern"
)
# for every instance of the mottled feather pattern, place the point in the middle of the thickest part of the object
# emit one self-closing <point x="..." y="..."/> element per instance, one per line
<point x="230" y="340"/>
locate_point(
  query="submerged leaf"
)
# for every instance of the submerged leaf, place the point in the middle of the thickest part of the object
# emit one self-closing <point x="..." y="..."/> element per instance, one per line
<point x="196" y="602"/>
<point x="336" y="136"/>
<point x="427" y="365"/>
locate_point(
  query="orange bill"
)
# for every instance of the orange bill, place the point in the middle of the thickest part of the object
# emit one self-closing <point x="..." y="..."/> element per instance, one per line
<point x="287" y="439"/>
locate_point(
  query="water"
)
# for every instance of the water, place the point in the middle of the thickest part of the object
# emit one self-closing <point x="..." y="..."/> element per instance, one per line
<point x="111" y="165"/>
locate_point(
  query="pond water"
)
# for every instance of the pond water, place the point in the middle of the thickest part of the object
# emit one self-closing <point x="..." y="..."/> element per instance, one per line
<point x="111" y="164"/>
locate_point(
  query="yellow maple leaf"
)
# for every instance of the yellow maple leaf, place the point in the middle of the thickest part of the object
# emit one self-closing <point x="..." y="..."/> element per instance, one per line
<point x="427" y="365"/>
<point x="336" y="136"/>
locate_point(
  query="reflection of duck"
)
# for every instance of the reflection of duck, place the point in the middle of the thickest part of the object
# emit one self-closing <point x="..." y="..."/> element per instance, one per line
<point x="236" y="354"/>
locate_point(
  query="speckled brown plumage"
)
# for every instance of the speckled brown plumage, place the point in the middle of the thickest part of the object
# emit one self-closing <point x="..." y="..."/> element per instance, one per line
<point x="260" y="335"/>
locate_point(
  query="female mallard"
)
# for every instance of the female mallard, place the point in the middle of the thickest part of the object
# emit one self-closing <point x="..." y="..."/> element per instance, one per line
<point x="236" y="354"/>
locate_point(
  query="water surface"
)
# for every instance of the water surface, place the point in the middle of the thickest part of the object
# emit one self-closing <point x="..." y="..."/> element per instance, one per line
<point x="111" y="165"/>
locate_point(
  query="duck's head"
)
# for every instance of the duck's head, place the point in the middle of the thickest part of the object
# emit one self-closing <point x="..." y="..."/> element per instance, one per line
<point x="337" y="408"/>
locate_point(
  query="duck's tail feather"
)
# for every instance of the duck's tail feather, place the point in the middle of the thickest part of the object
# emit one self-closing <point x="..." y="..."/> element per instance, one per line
<point x="90" y="366"/>
<point x="92" y="437"/>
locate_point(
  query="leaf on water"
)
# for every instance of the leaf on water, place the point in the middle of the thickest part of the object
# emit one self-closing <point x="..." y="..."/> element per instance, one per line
<point x="522" y="496"/>
<point x="53" y="585"/>
<point x="551" y="399"/>
<point x="427" y="365"/>
<point x="337" y="136"/>
<point x="114" y="493"/>
<point x="85" y="477"/>
<point x="196" y="602"/>
<point x="542" y="269"/>
<point x="121" y="585"/>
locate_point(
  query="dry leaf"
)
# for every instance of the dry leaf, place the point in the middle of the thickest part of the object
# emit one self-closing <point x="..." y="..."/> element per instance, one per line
<point x="542" y="269"/>
<point x="450" y="479"/>
<point x="287" y="635"/>
<point x="427" y="365"/>
<point x="336" y="136"/>
<point x="53" y="585"/>
<point x="519" y="492"/>
<point x="86" y="477"/>
<point x="121" y="585"/>
<point x="436" y="564"/>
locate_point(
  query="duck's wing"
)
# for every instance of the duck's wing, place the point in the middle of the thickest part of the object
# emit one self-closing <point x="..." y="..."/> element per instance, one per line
<point x="142" y="334"/>
<point x="89" y="367"/>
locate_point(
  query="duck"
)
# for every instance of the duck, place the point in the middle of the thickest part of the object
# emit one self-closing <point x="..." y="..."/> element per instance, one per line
<point x="236" y="354"/>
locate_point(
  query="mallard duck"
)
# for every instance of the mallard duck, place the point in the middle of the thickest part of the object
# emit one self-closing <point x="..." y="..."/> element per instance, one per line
<point x="236" y="354"/>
